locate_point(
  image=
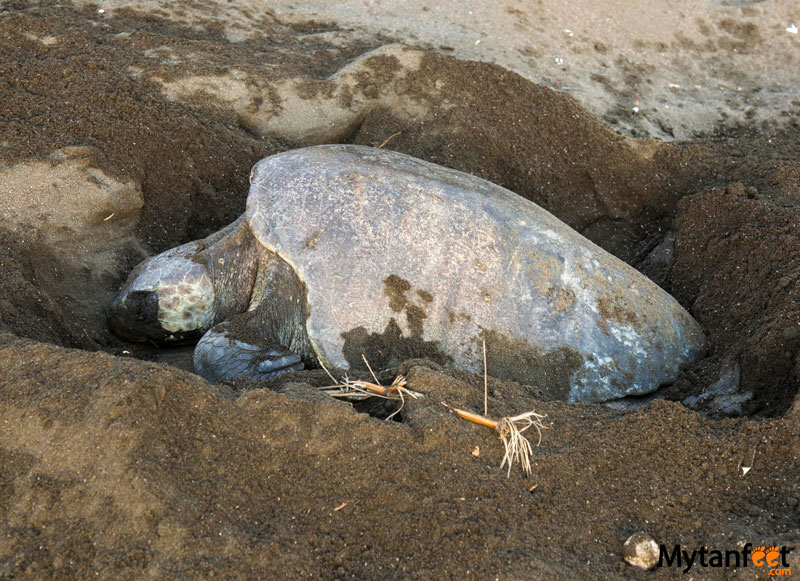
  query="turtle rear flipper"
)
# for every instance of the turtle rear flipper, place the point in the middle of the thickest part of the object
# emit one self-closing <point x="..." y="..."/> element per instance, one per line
<point x="224" y="352"/>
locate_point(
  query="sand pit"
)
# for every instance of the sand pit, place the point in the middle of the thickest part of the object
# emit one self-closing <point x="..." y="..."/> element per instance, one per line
<point x="128" y="131"/>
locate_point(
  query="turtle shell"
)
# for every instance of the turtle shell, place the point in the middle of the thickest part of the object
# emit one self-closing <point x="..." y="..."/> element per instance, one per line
<point x="395" y="251"/>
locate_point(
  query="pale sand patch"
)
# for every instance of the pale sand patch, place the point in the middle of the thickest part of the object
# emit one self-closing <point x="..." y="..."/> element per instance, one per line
<point x="70" y="207"/>
<point x="306" y="110"/>
<point x="669" y="69"/>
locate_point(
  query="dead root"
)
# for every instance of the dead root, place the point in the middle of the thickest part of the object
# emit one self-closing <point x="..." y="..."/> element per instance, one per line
<point x="517" y="447"/>
<point x="346" y="388"/>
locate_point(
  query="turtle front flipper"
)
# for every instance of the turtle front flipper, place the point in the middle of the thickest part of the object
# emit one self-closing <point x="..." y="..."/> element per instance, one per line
<point x="228" y="351"/>
<point x="266" y="340"/>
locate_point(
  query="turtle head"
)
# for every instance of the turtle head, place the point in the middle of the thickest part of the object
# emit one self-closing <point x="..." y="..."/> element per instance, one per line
<point x="168" y="298"/>
<point x="178" y="295"/>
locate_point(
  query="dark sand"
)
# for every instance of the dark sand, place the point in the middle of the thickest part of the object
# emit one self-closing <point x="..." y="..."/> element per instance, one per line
<point x="120" y="468"/>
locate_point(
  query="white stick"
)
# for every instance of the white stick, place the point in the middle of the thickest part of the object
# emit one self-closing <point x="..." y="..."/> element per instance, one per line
<point x="485" y="384"/>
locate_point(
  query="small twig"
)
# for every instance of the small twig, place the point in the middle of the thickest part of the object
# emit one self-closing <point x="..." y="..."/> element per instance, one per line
<point x="478" y="419"/>
<point x="370" y="369"/>
<point x="321" y="364"/>
<point x="388" y="139"/>
<point x="400" y="390"/>
<point x="485" y="383"/>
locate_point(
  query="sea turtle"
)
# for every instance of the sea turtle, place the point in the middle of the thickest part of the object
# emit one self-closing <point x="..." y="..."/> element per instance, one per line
<point x="346" y="251"/>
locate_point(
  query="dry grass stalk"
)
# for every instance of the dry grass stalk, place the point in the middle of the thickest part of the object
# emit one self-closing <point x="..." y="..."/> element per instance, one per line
<point x="518" y="448"/>
<point x="358" y="389"/>
<point x="388" y="139"/>
<point x="485" y="383"/>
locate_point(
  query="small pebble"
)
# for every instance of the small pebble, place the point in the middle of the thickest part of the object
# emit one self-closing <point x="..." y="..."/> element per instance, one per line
<point x="736" y="189"/>
<point x="640" y="550"/>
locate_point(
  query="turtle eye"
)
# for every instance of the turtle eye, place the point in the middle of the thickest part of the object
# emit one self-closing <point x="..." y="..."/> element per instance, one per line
<point x="142" y="306"/>
<point x="133" y="316"/>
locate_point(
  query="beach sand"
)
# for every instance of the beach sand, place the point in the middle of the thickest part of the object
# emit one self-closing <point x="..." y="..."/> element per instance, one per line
<point x="666" y="135"/>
